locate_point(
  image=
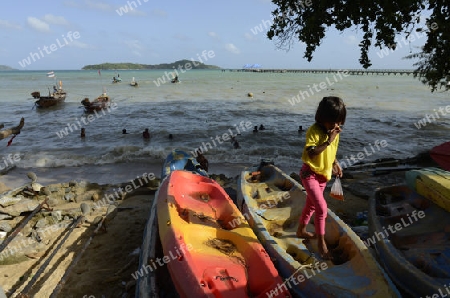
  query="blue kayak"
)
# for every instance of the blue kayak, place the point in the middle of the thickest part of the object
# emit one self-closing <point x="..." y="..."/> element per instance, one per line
<point x="181" y="160"/>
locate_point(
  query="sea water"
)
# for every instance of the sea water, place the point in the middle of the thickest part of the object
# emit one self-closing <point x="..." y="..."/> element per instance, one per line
<point x="388" y="116"/>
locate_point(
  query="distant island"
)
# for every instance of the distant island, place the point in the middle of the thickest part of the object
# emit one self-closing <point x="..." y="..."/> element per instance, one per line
<point x="177" y="65"/>
<point x="5" y="67"/>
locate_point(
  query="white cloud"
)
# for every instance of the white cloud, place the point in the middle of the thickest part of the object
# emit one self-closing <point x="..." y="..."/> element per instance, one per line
<point x="7" y="24"/>
<point x="51" y="19"/>
<point x="213" y="35"/>
<point x="250" y="37"/>
<point x="38" y="25"/>
<point x="232" y="48"/>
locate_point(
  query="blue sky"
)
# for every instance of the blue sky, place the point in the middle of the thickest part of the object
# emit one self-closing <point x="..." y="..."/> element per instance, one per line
<point x="41" y="35"/>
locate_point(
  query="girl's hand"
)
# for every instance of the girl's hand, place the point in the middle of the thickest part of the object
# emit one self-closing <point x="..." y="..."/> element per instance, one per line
<point x="332" y="133"/>
<point x="337" y="170"/>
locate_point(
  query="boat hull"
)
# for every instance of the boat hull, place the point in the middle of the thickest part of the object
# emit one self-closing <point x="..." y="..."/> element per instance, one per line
<point x="209" y="248"/>
<point x="431" y="183"/>
<point x="181" y="160"/>
<point x="50" y="101"/>
<point x="411" y="240"/>
<point x="441" y="154"/>
<point x="97" y="105"/>
<point x="272" y="202"/>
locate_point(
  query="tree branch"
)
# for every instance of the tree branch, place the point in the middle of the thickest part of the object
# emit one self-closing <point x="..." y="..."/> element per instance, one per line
<point x="14" y="130"/>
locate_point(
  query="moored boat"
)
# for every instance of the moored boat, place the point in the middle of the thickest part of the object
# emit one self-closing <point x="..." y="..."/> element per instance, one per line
<point x="181" y="160"/>
<point x="209" y="248"/>
<point x="272" y="202"/>
<point x="101" y="102"/>
<point x="411" y="237"/>
<point x="54" y="98"/>
<point x="134" y="83"/>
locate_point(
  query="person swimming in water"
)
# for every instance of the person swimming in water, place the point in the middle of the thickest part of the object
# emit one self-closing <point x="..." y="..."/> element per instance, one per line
<point x="146" y="134"/>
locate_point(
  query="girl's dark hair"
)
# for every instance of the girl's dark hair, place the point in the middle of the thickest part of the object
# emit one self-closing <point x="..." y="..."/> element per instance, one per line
<point x="331" y="109"/>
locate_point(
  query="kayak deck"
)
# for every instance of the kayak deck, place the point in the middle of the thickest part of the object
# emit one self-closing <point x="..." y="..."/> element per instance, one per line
<point x="215" y="251"/>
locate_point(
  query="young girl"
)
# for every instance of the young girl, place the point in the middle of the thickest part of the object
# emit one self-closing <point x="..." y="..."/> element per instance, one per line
<point x="319" y="163"/>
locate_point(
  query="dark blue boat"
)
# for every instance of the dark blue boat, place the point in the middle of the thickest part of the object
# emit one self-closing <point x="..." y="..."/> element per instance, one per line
<point x="411" y="237"/>
<point x="181" y="160"/>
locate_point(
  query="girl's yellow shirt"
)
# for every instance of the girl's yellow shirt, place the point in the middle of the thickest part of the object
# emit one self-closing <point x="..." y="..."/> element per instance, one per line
<point x="322" y="163"/>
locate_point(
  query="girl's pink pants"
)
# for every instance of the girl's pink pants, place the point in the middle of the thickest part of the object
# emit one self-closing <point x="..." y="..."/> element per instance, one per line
<point x="314" y="185"/>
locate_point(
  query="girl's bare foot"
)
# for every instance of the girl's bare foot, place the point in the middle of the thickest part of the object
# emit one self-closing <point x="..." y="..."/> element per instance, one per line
<point x="302" y="233"/>
<point x="323" y="249"/>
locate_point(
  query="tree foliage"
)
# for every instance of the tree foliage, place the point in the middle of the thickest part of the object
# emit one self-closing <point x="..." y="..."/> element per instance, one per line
<point x="382" y="21"/>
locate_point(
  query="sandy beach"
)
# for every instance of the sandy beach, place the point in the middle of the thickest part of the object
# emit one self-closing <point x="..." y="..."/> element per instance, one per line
<point x="101" y="263"/>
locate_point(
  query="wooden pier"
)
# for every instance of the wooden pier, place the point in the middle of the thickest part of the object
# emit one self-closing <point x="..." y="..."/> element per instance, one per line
<point x="348" y="71"/>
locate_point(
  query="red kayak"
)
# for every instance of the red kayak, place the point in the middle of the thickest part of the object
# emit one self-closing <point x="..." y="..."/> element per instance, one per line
<point x="209" y="247"/>
<point x="441" y="155"/>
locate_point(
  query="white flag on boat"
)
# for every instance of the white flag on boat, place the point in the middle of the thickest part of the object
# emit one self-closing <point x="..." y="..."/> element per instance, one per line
<point x="51" y="74"/>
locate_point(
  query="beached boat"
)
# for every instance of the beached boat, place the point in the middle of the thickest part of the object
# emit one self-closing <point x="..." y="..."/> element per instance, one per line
<point x="101" y="102"/>
<point x="432" y="183"/>
<point x="209" y="248"/>
<point x="54" y="98"/>
<point x="181" y="160"/>
<point x="272" y="202"/>
<point x="411" y="237"/>
<point x="441" y="155"/>
<point x="116" y="80"/>
<point x="153" y="283"/>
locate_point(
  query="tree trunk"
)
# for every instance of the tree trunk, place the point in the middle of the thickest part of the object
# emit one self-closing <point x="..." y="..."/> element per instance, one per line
<point x="11" y="131"/>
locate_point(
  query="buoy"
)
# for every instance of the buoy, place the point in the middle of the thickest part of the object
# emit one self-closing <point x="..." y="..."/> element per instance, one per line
<point x="250" y="94"/>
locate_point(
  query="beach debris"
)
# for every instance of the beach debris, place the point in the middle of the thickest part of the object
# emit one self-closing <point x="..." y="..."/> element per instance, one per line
<point x="223" y="245"/>
<point x="32" y="176"/>
<point x="12" y="131"/>
<point x="24" y="205"/>
<point x="85" y="208"/>
<point x="36" y="186"/>
<point x="6" y="227"/>
<point x="47" y="261"/>
<point x="9" y="200"/>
